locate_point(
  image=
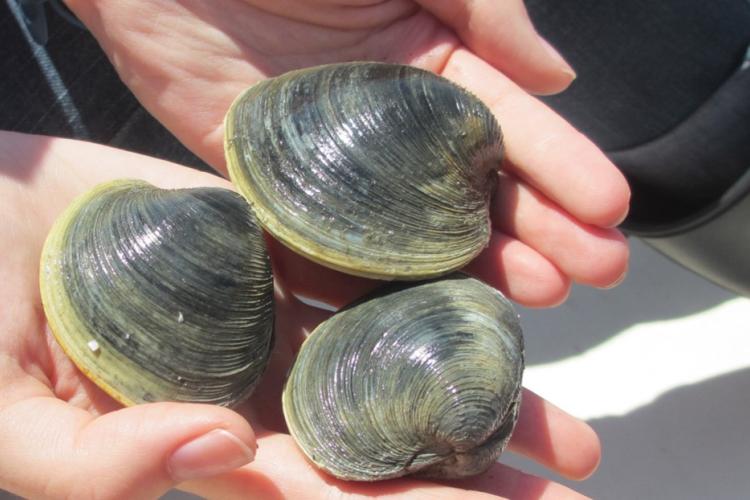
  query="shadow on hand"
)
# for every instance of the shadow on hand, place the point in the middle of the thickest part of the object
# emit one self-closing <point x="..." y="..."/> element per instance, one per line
<point x="21" y="155"/>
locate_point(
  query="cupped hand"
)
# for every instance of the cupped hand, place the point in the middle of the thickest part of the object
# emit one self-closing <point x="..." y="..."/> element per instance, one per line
<point x="559" y="196"/>
<point x="61" y="437"/>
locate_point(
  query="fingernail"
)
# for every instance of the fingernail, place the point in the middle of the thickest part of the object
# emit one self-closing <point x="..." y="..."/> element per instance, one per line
<point x="618" y="281"/>
<point x="213" y="453"/>
<point x="564" y="66"/>
<point x="620" y="219"/>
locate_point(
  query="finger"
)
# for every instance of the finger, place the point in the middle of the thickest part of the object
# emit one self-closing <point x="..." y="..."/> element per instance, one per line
<point x="551" y="437"/>
<point x="281" y="471"/>
<point x="588" y="254"/>
<point x="520" y="272"/>
<point x="543" y="149"/>
<point x="138" y="452"/>
<point x="512" y="267"/>
<point x="501" y="33"/>
<point x="510" y="483"/>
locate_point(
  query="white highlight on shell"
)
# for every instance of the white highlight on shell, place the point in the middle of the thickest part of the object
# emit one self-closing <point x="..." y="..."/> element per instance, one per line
<point x="93" y="346"/>
<point x="180" y="317"/>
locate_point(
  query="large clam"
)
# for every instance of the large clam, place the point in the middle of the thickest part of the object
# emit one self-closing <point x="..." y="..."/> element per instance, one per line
<point x="378" y="170"/>
<point x="420" y="378"/>
<point x="161" y="294"/>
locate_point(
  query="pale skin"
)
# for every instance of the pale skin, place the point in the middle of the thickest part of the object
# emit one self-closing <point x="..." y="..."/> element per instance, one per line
<point x="557" y="202"/>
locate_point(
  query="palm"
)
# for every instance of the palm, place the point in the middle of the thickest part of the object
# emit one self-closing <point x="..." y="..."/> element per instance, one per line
<point x="187" y="61"/>
<point x="237" y="43"/>
<point x="39" y="178"/>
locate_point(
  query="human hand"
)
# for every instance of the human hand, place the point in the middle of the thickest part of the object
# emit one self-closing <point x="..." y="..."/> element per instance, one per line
<point x="555" y="206"/>
<point x="62" y="437"/>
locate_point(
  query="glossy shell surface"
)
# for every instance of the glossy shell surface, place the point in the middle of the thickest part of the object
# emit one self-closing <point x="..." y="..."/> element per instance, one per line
<point x="377" y="170"/>
<point x="422" y="378"/>
<point x="161" y="295"/>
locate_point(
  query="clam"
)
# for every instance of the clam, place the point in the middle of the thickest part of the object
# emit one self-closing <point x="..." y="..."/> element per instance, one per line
<point x="377" y="170"/>
<point x="161" y="295"/>
<point x="418" y="378"/>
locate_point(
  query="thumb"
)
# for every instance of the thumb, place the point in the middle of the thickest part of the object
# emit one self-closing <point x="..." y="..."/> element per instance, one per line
<point x="54" y="450"/>
<point x="501" y="33"/>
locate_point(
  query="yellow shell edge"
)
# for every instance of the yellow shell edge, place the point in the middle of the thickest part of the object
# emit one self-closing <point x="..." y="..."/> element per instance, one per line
<point x="286" y="410"/>
<point x="57" y="307"/>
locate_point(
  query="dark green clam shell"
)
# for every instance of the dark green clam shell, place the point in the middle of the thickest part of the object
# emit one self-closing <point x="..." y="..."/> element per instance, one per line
<point x="422" y="378"/>
<point x="161" y="295"/>
<point x="378" y="170"/>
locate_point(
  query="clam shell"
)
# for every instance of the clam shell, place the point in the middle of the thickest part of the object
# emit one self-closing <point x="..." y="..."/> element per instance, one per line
<point x="424" y="378"/>
<point x="161" y="295"/>
<point x="378" y="170"/>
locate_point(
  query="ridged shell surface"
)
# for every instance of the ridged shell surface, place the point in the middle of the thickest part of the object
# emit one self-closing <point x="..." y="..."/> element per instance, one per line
<point x="377" y="170"/>
<point x="420" y="379"/>
<point x="161" y="295"/>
